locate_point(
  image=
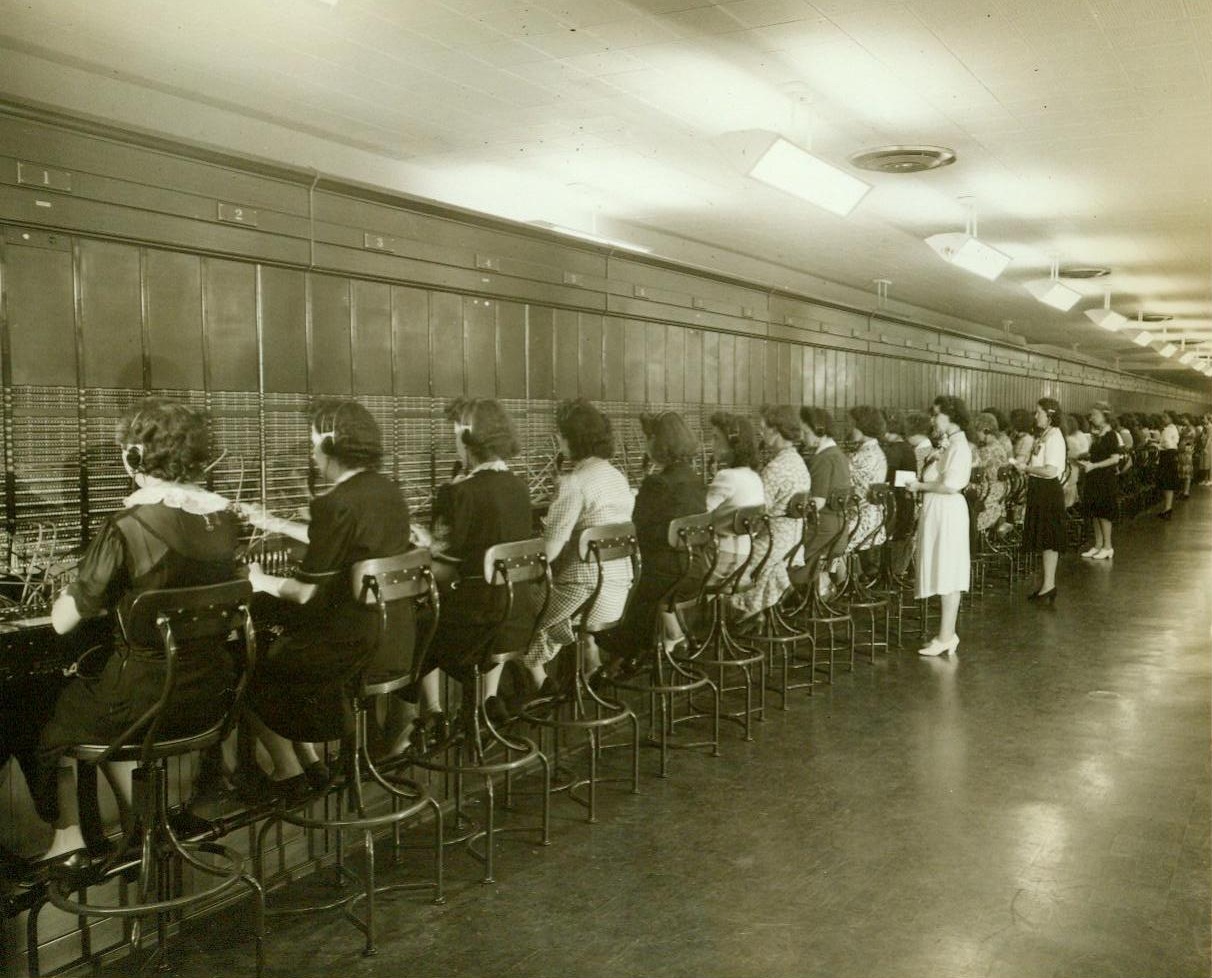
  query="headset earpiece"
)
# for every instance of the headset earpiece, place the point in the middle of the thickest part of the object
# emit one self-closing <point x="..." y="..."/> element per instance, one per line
<point x="132" y="456"/>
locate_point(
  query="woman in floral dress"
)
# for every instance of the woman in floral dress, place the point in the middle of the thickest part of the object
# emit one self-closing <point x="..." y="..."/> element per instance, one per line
<point x="782" y="477"/>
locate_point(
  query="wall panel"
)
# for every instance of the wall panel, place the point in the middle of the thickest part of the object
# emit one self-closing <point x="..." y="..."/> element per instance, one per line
<point x="480" y="346"/>
<point x="372" y="338"/>
<point x="38" y="290"/>
<point x="111" y="314"/>
<point x="229" y="290"/>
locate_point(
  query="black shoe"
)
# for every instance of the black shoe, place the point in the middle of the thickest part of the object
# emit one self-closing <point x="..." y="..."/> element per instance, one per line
<point x="495" y="711"/>
<point x="1167" y="515"/>
<point x="598" y="679"/>
<point x="186" y="825"/>
<point x="77" y="869"/>
<point x="318" y="775"/>
<point x="290" y="792"/>
<point x="1046" y="597"/>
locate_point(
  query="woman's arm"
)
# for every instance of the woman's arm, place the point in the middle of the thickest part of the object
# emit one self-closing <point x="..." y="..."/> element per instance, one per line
<point x="286" y="588"/>
<point x="64" y="614"/>
<point x="262" y="520"/>
<point x="562" y="516"/>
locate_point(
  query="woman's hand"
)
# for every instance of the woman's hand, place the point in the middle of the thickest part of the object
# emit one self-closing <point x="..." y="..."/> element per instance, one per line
<point x="1085" y="465"/>
<point x="257" y="578"/>
<point x="913" y="485"/>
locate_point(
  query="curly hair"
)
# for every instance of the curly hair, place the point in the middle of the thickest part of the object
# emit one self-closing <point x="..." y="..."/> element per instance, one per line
<point x="783" y="419"/>
<point x="585" y="428"/>
<point x="869" y="421"/>
<point x="741" y="439"/>
<point x="955" y="408"/>
<point x="490" y="433"/>
<point x="1103" y="408"/>
<point x="672" y="440"/>
<point x="1003" y="423"/>
<point x="985" y="423"/>
<point x="819" y="421"/>
<point x="172" y="438"/>
<point x="353" y="434"/>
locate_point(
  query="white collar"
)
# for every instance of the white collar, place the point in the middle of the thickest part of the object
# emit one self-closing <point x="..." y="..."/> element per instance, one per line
<point x="495" y="465"/>
<point x="176" y="495"/>
<point x="825" y="442"/>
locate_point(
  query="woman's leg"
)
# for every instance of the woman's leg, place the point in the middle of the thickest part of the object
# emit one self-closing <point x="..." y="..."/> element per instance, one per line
<point x="281" y="751"/>
<point x="1098" y="533"/>
<point x="1048" y="563"/>
<point x="1167" y="500"/>
<point x="492" y="680"/>
<point x="950" y="611"/>
<point x="68" y="837"/>
<point x="1105" y="525"/>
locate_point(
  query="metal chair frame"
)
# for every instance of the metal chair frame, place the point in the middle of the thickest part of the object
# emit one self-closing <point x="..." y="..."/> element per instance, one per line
<point x="693" y="537"/>
<point x="169" y="618"/>
<point x="860" y="594"/>
<point x="478" y="747"/>
<point x="582" y="708"/>
<point x="379" y="583"/>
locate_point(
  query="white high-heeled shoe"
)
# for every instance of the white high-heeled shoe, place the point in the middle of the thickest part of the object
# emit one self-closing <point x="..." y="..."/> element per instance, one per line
<point x="938" y="647"/>
<point x="1092" y="552"/>
<point x="1105" y="554"/>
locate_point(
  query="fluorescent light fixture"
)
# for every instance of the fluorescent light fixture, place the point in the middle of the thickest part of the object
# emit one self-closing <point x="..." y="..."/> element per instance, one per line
<point x="1167" y="349"/>
<point x="1054" y="293"/>
<point x="786" y="167"/>
<point x="1187" y="358"/>
<point x="590" y="236"/>
<point x="1051" y="291"/>
<point x="1106" y="317"/>
<point x="1143" y="338"/>
<point x="969" y="253"/>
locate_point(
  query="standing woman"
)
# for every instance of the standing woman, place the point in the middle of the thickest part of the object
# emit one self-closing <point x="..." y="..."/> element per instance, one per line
<point x="1100" y="492"/>
<point x="1044" y="524"/>
<point x="1186" y="454"/>
<point x="297" y="694"/>
<point x="943" y="560"/>
<point x="782" y="477"/>
<point x="1205" y="454"/>
<point x="1167" y="466"/>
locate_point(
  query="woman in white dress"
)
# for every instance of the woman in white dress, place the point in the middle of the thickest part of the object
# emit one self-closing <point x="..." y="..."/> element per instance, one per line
<point x="943" y="566"/>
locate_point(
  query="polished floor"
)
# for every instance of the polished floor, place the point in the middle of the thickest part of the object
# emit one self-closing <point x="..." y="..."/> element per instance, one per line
<point x="1036" y="806"/>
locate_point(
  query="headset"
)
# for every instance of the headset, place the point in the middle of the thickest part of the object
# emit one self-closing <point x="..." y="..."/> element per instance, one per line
<point x="132" y="455"/>
<point x="326" y="441"/>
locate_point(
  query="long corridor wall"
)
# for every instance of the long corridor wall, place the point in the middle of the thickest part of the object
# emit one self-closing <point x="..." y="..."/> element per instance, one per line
<point x="129" y="266"/>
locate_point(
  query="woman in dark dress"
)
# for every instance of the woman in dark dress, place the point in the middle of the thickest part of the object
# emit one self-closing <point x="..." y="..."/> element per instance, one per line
<point x="829" y="471"/>
<point x="485" y="505"/>
<point x="169" y="533"/>
<point x="673" y="490"/>
<point x="1044" y="523"/>
<point x="1100" y="489"/>
<point x="298" y="691"/>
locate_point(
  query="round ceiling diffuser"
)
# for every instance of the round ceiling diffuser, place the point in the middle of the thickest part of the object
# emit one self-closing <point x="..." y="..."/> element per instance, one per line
<point x="1154" y="317"/>
<point x="1085" y="271"/>
<point x="903" y="159"/>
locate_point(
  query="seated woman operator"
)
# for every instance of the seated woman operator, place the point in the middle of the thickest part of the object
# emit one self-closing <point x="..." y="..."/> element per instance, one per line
<point x="170" y="533"/>
<point x="297" y="692"/>
<point x="484" y="506"/>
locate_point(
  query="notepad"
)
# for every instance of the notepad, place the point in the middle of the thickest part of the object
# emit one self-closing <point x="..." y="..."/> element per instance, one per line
<point x="904" y="477"/>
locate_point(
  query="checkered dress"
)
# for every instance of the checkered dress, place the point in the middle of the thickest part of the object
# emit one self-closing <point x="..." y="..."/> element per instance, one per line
<point x="594" y="493"/>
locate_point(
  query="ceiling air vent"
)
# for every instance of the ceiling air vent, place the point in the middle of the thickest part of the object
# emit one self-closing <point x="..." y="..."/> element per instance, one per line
<point x="1154" y="317"/>
<point x="903" y="159"/>
<point x="1085" y="271"/>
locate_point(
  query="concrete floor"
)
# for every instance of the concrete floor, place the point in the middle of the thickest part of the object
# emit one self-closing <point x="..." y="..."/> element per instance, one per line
<point x="1036" y="806"/>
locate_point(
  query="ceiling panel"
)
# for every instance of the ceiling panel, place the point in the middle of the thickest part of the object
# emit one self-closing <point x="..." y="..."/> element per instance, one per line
<point x="1083" y="127"/>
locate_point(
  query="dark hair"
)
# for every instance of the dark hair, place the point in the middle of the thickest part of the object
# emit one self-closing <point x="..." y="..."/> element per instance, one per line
<point x="783" y="419"/>
<point x="868" y="420"/>
<point x="1068" y="424"/>
<point x="1020" y="421"/>
<point x="1052" y="408"/>
<point x="353" y="434"/>
<point x="819" y="420"/>
<point x="585" y="428"/>
<point x="742" y="441"/>
<point x="1003" y="423"/>
<point x="917" y="423"/>
<point x="955" y="409"/>
<point x="672" y="439"/>
<point x="172" y="439"/>
<point x="490" y="433"/>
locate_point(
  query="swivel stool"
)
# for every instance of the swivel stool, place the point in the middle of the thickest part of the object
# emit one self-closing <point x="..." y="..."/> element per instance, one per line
<point x="379" y="584"/>
<point x="582" y="708"/>
<point x="184" y="623"/>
